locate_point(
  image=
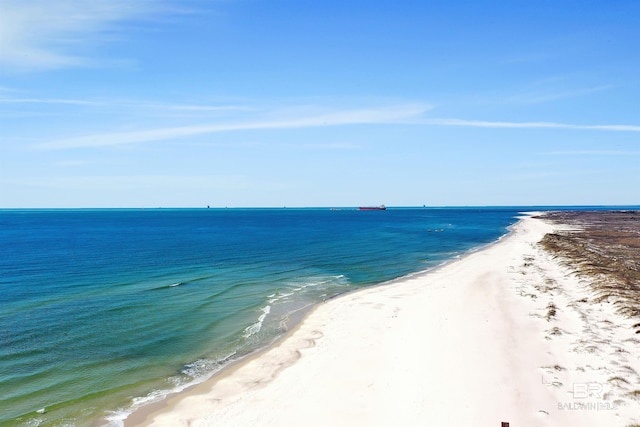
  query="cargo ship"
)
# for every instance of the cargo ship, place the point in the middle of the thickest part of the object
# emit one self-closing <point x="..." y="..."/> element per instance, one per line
<point x="373" y="208"/>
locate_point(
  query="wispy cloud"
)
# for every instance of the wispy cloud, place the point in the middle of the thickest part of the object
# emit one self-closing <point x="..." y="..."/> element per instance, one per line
<point x="123" y="105"/>
<point x="410" y="114"/>
<point x="132" y="182"/>
<point x="44" y="34"/>
<point x="31" y="106"/>
<point x="189" y="107"/>
<point x="54" y="101"/>
<point x="383" y="115"/>
<point x="593" y="153"/>
<point x="528" y="125"/>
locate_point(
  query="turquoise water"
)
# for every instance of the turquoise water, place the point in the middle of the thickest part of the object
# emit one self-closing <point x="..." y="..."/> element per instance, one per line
<point x="102" y="311"/>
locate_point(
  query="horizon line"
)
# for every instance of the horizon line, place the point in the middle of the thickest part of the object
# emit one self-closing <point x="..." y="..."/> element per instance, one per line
<point x="208" y="207"/>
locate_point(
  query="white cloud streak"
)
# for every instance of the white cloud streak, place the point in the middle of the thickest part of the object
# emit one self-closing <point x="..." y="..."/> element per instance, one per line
<point x="528" y="125"/>
<point x="132" y="182"/>
<point x="386" y="115"/>
<point x="43" y="34"/>
<point x="54" y="101"/>
<point x="593" y="153"/>
<point x="410" y="114"/>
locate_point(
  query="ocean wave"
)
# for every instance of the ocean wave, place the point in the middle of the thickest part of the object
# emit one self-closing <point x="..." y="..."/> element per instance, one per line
<point x="202" y="369"/>
<point x="205" y="367"/>
<point x="255" y="328"/>
<point x="171" y="285"/>
<point x="192" y="373"/>
<point x="305" y="284"/>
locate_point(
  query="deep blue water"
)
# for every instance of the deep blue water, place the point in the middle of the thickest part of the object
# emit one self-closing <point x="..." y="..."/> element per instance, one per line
<point x="104" y="310"/>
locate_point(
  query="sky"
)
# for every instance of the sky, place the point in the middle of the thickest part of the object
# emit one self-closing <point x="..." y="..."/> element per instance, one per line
<point x="270" y="103"/>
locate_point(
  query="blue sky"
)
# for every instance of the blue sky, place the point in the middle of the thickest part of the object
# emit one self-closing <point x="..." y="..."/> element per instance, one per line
<point x="318" y="103"/>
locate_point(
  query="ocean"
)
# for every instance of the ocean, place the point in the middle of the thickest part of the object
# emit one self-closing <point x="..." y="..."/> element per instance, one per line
<point x="103" y="311"/>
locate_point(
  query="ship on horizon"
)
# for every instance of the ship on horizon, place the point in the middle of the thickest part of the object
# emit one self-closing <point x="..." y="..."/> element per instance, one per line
<point x="373" y="208"/>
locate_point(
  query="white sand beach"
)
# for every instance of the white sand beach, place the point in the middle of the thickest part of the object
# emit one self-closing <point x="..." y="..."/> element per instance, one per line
<point x="506" y="334"/>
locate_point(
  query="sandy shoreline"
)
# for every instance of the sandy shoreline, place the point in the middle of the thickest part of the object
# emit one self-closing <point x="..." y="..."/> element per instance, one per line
<point x="505" y="334"/>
